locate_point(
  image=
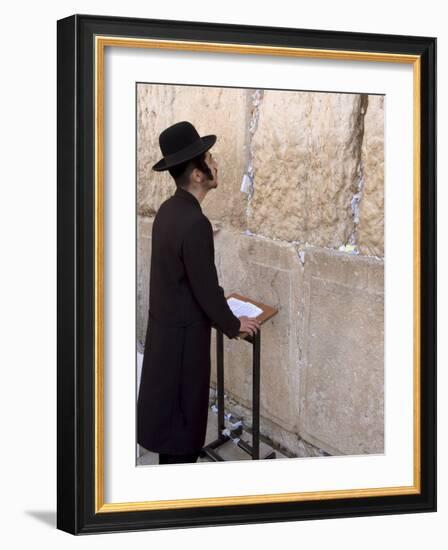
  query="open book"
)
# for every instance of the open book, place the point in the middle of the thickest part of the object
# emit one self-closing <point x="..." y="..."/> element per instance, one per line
<point x="240" y="308"/>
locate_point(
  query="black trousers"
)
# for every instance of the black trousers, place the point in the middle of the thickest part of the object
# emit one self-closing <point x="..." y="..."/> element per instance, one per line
<point x="165" y="458"/>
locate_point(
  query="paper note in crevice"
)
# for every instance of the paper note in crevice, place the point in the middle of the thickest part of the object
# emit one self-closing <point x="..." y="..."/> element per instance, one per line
<point x="245" y="184"/>
<point x="240" y="308"/>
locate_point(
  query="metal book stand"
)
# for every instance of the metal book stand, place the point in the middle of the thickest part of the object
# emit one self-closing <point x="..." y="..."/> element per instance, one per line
<point x="253" y="450"/>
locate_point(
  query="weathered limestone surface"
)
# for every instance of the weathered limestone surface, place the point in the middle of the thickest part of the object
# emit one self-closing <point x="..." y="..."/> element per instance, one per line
<point x="322" y="354"/>
<point x="342" y="386"/>
<point x="318" y="166"/>
<point x="220" y="111"/>
<point x="144" y="229"/>
<point x="306" y="160"/>
<point x="269" y="272"/>
<point x="371" y="219"/>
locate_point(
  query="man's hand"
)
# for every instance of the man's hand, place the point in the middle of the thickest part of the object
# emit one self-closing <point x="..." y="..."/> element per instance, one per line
<point x="249" y="324"/>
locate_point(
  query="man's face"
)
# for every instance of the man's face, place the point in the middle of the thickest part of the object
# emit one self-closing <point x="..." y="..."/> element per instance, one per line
<point x="212" y="164"/>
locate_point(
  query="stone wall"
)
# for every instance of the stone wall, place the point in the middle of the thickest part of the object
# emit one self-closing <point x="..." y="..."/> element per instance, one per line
<point x="307" y="239"/>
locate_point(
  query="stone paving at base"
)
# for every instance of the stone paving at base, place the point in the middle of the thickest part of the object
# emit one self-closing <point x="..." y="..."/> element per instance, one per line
<point x="228" y="450"/>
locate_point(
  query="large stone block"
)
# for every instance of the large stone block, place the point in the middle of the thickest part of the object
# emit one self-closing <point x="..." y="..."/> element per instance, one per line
<point x="144" y="230"/>
<point x="220" y="111"/>
<point x="306" y="161"/>
<point x="154" y="113"/>
<point x="371" y="206"/>
<point x="342" y="386"/>
<point x="270" y="272"/>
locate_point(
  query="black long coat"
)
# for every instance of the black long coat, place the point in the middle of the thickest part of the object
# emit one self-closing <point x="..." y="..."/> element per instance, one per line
<point x="185" y="300"/>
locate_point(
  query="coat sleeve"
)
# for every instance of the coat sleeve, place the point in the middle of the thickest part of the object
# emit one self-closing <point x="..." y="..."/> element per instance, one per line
<point x="199" y="260"/>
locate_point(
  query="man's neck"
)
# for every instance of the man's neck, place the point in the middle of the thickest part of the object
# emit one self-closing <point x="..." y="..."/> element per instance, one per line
<point x="198" y="192"/>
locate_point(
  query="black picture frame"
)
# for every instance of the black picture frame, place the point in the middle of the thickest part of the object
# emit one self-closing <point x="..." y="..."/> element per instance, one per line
<point x="78" y="503"/>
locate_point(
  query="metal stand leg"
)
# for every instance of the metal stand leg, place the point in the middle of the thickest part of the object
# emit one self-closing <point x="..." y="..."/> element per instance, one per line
<point x="256" y="396"/>
<point x="220" y="380"/>
<point x="254" y="449"/>
<point x="209" y="450"/>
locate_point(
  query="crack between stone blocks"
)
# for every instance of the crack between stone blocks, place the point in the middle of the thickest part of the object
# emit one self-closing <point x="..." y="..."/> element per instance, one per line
<point x="301" y="255"/>
<point x="356" y="198"/>
<point x="255" y="101"/>
<point x="302" y="246"/>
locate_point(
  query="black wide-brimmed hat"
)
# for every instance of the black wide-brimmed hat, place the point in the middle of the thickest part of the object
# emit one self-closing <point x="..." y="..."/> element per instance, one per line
<point x="179" y="143"/>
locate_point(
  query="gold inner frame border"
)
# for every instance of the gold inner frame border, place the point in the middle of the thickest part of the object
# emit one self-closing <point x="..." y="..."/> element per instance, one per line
<point x="100" y="43"/>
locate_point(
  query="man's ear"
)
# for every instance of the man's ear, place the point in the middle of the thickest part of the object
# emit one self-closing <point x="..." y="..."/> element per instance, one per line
<point x="196" y="175"/>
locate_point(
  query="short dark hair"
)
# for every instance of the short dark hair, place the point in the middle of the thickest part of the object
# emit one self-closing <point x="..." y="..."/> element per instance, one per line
<point x="181" y="172"/>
